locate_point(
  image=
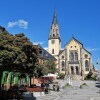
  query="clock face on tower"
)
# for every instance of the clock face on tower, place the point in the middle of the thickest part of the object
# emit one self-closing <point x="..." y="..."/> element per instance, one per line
<point x="53" y="41"/>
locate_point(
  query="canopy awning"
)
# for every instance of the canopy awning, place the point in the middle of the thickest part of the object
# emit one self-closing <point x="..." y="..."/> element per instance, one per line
<point x="50" y="75"/>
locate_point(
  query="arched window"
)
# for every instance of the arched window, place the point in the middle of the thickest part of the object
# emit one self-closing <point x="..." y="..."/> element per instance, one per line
<point x="52" y="51"/>
<point x="53" y="35"/>
<point x="63" y="64"/>
<point x="76" y="56"/>
<point x="87" y="65"/>
<point x="71" y="57"/>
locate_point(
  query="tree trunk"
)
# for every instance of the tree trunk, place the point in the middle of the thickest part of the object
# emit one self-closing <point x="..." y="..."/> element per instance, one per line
<point x="30" y="81"/>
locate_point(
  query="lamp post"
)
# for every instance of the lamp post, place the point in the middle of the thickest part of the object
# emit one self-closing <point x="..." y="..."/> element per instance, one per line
<point x="98" y="69"/>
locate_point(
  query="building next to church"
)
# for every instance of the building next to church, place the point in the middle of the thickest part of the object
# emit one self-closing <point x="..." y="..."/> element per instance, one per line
<point x="74" y="59"/>
<point x="43" y="55"/>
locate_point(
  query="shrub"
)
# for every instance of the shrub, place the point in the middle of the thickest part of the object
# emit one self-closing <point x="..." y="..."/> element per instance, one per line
<point x="66" y="85"/>
<point x="90" y="76"/>
<point x="82" y="85"/>
<point x="61" y="75"/>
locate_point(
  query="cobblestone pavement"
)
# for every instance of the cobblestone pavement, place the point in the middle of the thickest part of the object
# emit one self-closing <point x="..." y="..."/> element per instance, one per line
<point x="75" y="93"/>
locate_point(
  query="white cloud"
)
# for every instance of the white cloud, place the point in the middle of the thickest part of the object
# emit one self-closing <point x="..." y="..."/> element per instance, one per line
<point x="21" y="23"/>
<point x="36" y="43"/>
<point x="93" y="49"/>
<point x="12" y="24"/>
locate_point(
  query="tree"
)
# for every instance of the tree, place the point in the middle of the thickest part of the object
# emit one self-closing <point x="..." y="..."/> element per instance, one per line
<point x="40" y="70"/>
<point x="89" y="75"/>
<point x="16" y="53"/>
<point x="61" y="75"/>
<point x="50" y="64"/>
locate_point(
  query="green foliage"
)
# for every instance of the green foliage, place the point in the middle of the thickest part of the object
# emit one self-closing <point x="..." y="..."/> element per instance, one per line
<point x="48" y="66"/>
<point x="51" y="66"/>
<point x="17" y="53"/>
<point x="61" y="75"/>
<point x="66" y="86"/>
<point x="40" y="70"/>
<point x="89" y="76"/>
<point x="82" y="85"/>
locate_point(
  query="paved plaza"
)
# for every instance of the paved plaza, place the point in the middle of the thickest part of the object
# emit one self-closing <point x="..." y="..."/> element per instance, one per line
<point x="75" y="93"/>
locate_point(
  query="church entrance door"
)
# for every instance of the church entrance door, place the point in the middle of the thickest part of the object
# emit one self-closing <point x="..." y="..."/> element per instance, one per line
<point x="77" y="70"/>
<point x="72" y="70"/>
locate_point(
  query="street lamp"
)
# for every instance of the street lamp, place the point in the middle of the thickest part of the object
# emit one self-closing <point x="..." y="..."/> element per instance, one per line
<point x="97" y="63"/>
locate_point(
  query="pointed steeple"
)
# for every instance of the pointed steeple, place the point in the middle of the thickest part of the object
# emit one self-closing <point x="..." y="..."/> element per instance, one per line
<point x="54" y="31"/>
<point x="55" y="22"/>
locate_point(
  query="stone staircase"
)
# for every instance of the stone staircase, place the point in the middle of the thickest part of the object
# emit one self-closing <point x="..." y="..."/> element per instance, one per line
<point x="73" y="77"/>
<point x="76" y="77"/>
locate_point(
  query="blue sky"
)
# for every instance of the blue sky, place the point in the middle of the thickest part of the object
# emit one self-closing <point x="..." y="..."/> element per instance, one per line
<point x="34" y="17"/>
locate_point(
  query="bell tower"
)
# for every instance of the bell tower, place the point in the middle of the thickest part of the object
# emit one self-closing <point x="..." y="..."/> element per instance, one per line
<point x="54" y="41"/>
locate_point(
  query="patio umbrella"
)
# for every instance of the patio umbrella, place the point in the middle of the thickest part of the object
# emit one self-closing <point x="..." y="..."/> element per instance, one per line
<point x="16" y="79"/>
<point x="27" y="79"/>
<point x="9" y="78"/>
<point x="3" y="78"/>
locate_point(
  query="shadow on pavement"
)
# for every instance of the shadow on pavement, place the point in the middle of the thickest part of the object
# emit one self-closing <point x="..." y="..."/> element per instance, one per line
<point x="97" y="83"/>
<point x="98" y="86"/>
<point x="29" y="98"/>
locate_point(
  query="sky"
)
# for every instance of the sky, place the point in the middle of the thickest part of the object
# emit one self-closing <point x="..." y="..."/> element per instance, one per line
<point x="80" y="18"/>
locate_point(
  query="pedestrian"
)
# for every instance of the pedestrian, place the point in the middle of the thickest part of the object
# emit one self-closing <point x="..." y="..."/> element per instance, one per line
<point x="57" y="88"/>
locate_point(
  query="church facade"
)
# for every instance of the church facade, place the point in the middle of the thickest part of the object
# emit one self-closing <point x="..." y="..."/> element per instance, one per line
<point x="74" y="59"/>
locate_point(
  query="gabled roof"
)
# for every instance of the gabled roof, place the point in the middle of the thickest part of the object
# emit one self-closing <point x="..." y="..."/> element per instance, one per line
<point x="60" y="51"/>
<point x="87" y="51"/>
<point x="73" y="38"/>
<point x="45" y="54"/>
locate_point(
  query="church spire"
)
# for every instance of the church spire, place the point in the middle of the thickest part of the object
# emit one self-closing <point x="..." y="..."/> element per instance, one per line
<point x="55" y="22"/>
<point x="54" y="31"/>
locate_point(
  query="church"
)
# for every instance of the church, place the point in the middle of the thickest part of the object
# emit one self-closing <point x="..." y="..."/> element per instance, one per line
<point x="74" y="59"/>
